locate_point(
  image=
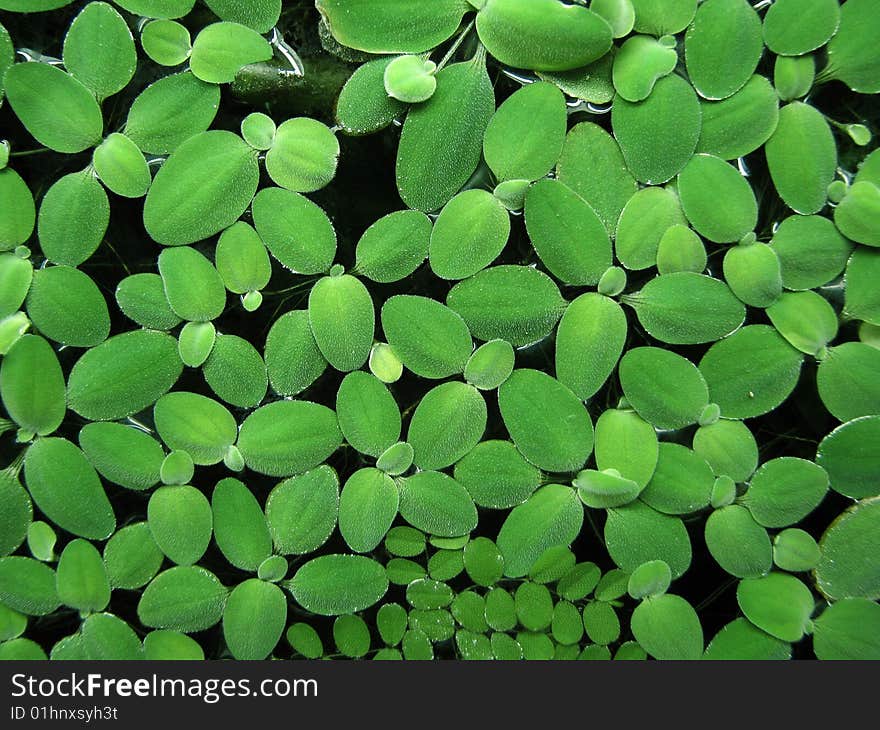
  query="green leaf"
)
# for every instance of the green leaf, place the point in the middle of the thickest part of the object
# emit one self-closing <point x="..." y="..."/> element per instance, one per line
<point x="16" y="275"/>
<point x="7" y="56"/>
<point x="665" y="389"/>
<point x="170" y="111"/>
<point x="73" y="218"/>
<point x="601" y="623"/>
<point x="751" y="372"/>
<point x="753" y="273"/>
<point x="658" y="135"/>
<point x="240" y="528"/>
<point x="301" y="511"/>
<point x="288" y="437"/>
<point x="729" y="448"/>
<point x="32" y="386"/>
<point x="639" y="63"/>
<point x="792" y="28"/>
<point x="680" y="249"/>
<point x="802" y="157"/>
<point x="181" y="523"/>
<point x="543" y="35"/>
<point x="627" y="443"/>
<point x="662" y="17"/>
<point x="343" y="320"/>
<point x="163" y="644"/>
<point x="515" y="303"/>
<point x="490" y="365"/>
<point x="166" y="42"/>
<point x="202" y="188"/>
<point x="368" y="414"/>
<point x="332" y="585"/>
<point x="468" y="235"/>
<point x="777" y="603"/>
<point x="195" y="342"/>
<point x="637" y="533"/>
<point x="496" y="475"/>
<point x="258" y="130"/>
<point x="705" y="181"/>
<point x="534" y="606"/>
<point x="500" y="610"/>
<point x="261" y="15"/>
<point x="391" y="621"/>
<point x="849" y="566"/>
<point x="132" y="557"/>
<point x="363" y="106"/>
<point x="367" y="507"/>
<point x="54" y="107"/>
<point x="590" y="83"/>
<point x="567" y="625"/>
<point x="16" y="517"/>
<point x="847" y="383"/>
<point x="785" y="490"/>
<point x="589" y="341"/>
<point x="21" y="649"/>
<point x="742" y="640"/>
<point x="220" y="50"/>
<point x="619" y="14"/>
<point x="546" y="421"/>
<point x="592" y="165"/>
<point x="861" y="299"/>
<point x="682" y="481"/>
<point x="67" y="306"/>
<point x="738" y="543"/>
<point x="430" y="339"/>
<point x="434" y="502"/>
<point x="852" y="53"/>
<point x="741" y="123"/>
<point x="643" y="223"/>
<point x="396" y="459"/>
<point x="27" y="586"/>
<point x="794" y="76"/>
<point x="856" y="215"/>
<point x="795" y="551"/>
<point x="405" y="541"/>
<point x="296" y="231"/>
<point x="552" y="516"/>
<point x="293" y="360"/>
<point x="17" y="212"/>
<point x="605" y="489"/>
<point x="805" y="319"/>
<point x="426" y="594"/>
<point x="67" y="489"/>
<point x="535" y="116"/>
<point x="121" y="166"/>
<point x="649" y="579"/>
<point x="241" y="259"/>
<point x="192" y="285"/>
<point x="848" y="629"/>
<point x="81" y="579"/>
<point x="722" y="47"/>
<point x="455" y="409"/>
<point x="483" y="561"/>
<point x="394" y="246"/>
<point x="668" y="628"/>
<point x="41" y="539"/>
<point x="157" y="8"/>
<point x="254" y="619"/>
<point x="392" y="26"/>
<point x="273" y="569"/>
<point x="566" y="233"/>
<point x="235" y="372"/>
<point x="352" y="636"/>
<point x="177" y="468"/>
<point x="442" y="139"/>
<point x="141" y="297"/>
<point x="183" y="598"/>
<point x="99" y="51"/>
<point x="410" y="79"/>
<point x="305" y="641"/>
<point x="303" y="156"/>
<point x="848" y="454"/>
<point x="122" y="454"/>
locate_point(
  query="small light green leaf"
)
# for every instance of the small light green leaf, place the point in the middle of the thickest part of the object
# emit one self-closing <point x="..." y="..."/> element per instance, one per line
<point x="221" y="49"/>
<point x="41" y="539"/>
<point x="164" y="645"/>
<point x="193" y="287"/>
<point x="665" y="389"/>
<point x="54" y="107"/>
<point x="601" y="623"/>
<point x="99" y="50"/>
<point x="741" y="640"/>
<point x="515" y="303"/>
<point x="738" y="543"/>
<point x="258" y="130"/>
<point x="16" y="275"/>
<point x="458" y="411"/>
<point x="434" y="502"/>
<point x="368" y="414"/>
<point x="741" y="123"/>
<point x="753" y="273"/>
<point x="17" y="211"/>
<point x="183" y="598"/>
<point x="805" y="319"/>
<point x="638" y="64"/>
<point x="430" y="339"/>
<point x="301" y="511"/>
<point x="181" y="523"/>
<point x="261" y="15"/>
<point x="483" y="561"/>
<point x="67" y="306"/>
<point x="254" y="619"/>
<point x="384" y="364"/>
<point x="141" y="297"/>
<point x="430" y="170"/>
<point x="627" y="443"/>
<point x="680" y="249"/>
<point x="849" y="455"/>
<point x="849" y="566"/>
<point x="352" y="636"/>
<point x="637" y="533"/>
<point x="396" y="459"/>
<point x="546" y="421"/>
<point x="792" y="28"/>
<point x="195" y="342"/>
<point x="668" y="628"/>
<point x="605" y="489"/>
<point x="235" y="372"/>
<point x="32" y="386"/>
<point x="643" y="222"/>
<point x="121" y="166"/>
<point x="177" y="468"/>
<point x="802" y="157"/>
<point x="785" y="490"/>
<point x="410" y="79"/>
<point x="847" y="381"/>
<point x="682" y="481"/>
<point x="122" y="454"/>
<point x="363" y="106"/>
<point x="81" y="579"/>
<point x="305" y="641"/>
<point x="28" y="586"/>
<point x="619" y="14"/>
<point x="535" y="116"/>
<point x="795" y="551"/>
<point x="490" y="365"/>
<point x="542" y="34"/>
<point x="394" y="246"/>
<point x="856" y="215"/>
<point x="332" y="585"/>
<point x="166" y="42"/>
<point x="722" y="47"/>
<point x="852" y="53"/>
<point x="367" y="507"/>
<point x="170" y="111"/>
<point x="777" y="603"/>
<point x="195" y="424"/>
<point x="342" y="319"/>
<point x="296" y="231"/>
<point x="566" y="233"/>
<point x="848" y="629"/>
<point x="293" y="360"/>
<point x="658" y="135"/>
<point x="729" y="448"/>
<point x="496" y="475"/>
<point x="794" y="76"/>
<point x="132" y="557"/>
<point x="662" y="17"/>
<point x="705" y="181"/>
<point x="751" y="372"/>
<point x="303" y="155"/>
<point x="241" y="259"/>
<point x="534" y="606"/>
<point x="649" y="579"/>
<point x="288" y="437"/>
<point x="552" y="516"/>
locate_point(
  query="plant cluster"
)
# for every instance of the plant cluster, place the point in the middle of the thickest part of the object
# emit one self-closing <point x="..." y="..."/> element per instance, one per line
<point x="603" y="381"/>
